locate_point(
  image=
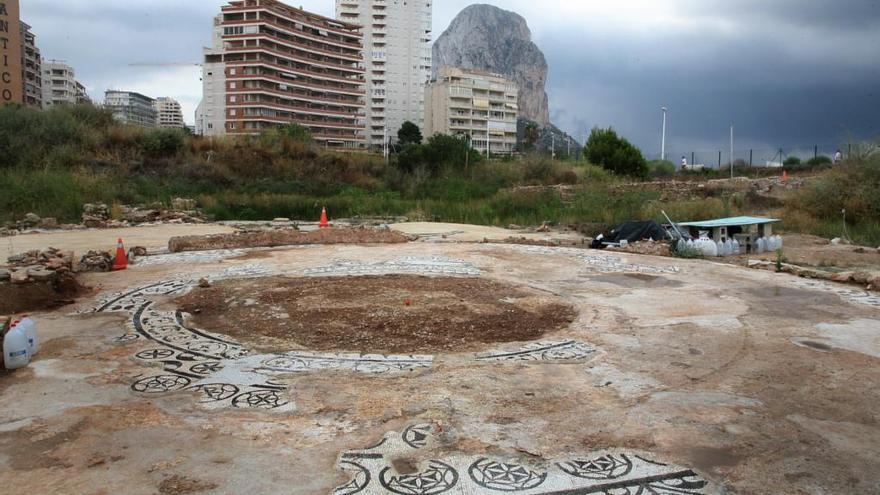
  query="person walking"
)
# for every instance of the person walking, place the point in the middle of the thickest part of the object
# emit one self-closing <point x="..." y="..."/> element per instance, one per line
<point x="838" y="157"/>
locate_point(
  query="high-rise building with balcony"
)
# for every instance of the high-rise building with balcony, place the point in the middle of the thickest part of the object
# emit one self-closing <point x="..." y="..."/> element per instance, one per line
<point x="476" y="104"/>
<point x="32" y="76"/>
<point x="397" y="56"/>
<point x="273" y="64"/>
<point x="168" y="113"/>
<point x="60" y="86"/>
<point x="131" y="108"/>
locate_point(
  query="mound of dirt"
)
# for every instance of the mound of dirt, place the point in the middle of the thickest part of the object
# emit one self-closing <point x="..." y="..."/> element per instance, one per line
<point x="38" y="296"/>
<point x="284" y="237"/>
<point x="375" y="314"/>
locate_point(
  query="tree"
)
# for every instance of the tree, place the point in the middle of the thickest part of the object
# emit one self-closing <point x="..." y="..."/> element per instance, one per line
<point x="531" y="134"/>
<point x="442" y="151"/>
<point x="408" y="134"/>
<point x="614" y="153"/>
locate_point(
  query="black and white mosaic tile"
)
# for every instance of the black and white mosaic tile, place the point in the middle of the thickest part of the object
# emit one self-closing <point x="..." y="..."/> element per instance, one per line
<point x="847" y="293"/>
<point x="410" y="265"/>
<point x="189" y="257"/>
<point x="190" y="359"/>
<point x="602" y="263"/>
<point x="552" y="351"/>
<point x="229" y="375"/>
<point x="373" y="364"/>
<point x="612" y="472"/>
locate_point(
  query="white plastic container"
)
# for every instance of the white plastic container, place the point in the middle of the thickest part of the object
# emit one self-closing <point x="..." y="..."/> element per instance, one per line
<point x="720" y="249"/>
<point x="728" y="248"/>
<point x="15" y="349"/>
<point x="29" y="328"/>
<point x="779" y="242"/>
<point x="762" y="245"/>
<point x="737" y="249"/>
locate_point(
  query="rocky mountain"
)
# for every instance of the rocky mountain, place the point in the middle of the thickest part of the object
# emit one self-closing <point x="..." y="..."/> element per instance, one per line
<point x="487" y="38"/>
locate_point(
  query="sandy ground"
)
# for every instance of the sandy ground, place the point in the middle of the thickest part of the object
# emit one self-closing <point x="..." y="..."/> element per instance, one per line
<point x="739" y="381"/>
<point x="81" y="241"/>
<point x="808" y="250"/>
<point x="453" y="232"/>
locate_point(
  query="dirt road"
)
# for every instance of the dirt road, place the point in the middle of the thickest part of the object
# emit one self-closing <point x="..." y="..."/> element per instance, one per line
<point x="81" y="241"/>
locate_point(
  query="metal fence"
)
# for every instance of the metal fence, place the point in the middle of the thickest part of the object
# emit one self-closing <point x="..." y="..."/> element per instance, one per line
<point x="753" y="157"/>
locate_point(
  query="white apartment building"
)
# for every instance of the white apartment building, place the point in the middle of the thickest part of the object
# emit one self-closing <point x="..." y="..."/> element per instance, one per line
<point x="60" y="86"/>
<point x="397" y="58"/>
<point x="168" y="113"/>
<point x="480" y="105"/>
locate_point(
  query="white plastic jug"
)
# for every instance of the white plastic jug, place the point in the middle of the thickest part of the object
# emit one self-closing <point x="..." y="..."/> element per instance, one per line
<point x="29" y="328"/>
<point x="762" y="245"/>
<point x="728" y="248"/>
<point x="779" y="242"/>
<point x="737" y="249"/>
<point x="15" y="349"/>
<point x="720" y="249"/>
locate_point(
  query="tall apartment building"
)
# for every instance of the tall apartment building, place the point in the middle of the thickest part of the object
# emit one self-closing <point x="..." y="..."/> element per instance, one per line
<point x="60" y="86"/>
<point x="473" y="103"/>
<point x="131" y="108"/>
<point x="274" y="64"/>
<point x="397" y="56"/>
<point x="32" y="76"/>
<point x="168" y="113"/>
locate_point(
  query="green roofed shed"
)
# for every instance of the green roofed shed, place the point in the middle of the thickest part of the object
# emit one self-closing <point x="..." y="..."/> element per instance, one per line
<point x="730" y="222"/>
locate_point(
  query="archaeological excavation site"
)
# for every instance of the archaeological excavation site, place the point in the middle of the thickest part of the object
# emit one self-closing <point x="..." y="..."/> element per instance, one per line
<point x="428" y="359"/>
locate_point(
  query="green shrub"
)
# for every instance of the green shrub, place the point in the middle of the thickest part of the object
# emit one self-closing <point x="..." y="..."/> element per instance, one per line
<point x="819" y="161"/>
<point x="614" y="153"/>
<point x="661" y="168"/>
<point x="792" y="161"/>
<point x="162" y="143"/>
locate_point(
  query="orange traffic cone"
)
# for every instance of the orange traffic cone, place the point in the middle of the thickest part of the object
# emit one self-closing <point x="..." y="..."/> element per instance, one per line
<point x="121" y="261"/>
<point x="324" y="223"/>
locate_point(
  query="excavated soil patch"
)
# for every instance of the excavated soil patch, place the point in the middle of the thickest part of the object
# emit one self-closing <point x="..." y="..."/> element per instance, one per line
<point x="38" y="296"/>
<point x="377" y="314"/>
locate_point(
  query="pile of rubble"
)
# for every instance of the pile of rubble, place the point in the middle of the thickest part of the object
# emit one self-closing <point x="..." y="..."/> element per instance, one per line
<point x="288" y="237"/>
<point x="675" y="190"/>
<point x="101" y="216"/>
<point x="31" y="221"/>
<point x="38" y="266"/>
<point x="648" y="247"/>
<point x="868" y="279"/>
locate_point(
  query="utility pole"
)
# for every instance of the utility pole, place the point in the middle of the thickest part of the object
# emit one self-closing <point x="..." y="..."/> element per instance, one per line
<point x="385" y="144"/>
<point x="663" y="139"/>
<point x="731" y="150"/>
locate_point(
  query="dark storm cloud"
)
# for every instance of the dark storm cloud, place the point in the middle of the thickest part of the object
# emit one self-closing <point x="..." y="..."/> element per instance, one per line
<point x="788" y="72"/>
<point x="812" y="79"/>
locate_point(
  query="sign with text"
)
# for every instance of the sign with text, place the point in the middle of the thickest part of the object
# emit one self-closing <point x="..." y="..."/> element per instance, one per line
<point x="10" y="53"/>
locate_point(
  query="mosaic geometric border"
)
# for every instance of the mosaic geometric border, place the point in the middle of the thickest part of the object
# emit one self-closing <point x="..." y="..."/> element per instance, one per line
<point x="602" y="263"/>
<point x="612" y="472"/>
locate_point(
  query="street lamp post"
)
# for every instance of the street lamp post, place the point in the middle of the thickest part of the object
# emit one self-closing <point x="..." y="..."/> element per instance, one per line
<point x="663" y="141"/>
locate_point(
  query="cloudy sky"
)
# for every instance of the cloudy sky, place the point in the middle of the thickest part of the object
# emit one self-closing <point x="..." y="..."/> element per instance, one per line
<point x="788" y="73"/>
